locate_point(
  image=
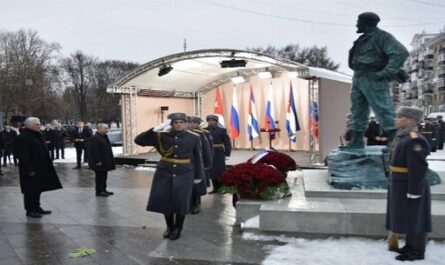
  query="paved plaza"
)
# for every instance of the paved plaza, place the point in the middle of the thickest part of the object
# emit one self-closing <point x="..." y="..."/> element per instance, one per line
<point x="118" y="227"/>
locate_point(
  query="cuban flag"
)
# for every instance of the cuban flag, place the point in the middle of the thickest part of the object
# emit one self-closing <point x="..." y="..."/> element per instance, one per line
<point x="252" y="122"/>
<point x="313" y="121"/>
<point x="269" y="122"/>
<point x="219" y="108"/>
<point x="234" y="118"/>
<point x="292" y="124"/>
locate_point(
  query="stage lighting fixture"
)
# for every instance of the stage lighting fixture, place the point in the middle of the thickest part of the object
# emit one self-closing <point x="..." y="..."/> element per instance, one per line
<point x="165" y="69"/>
<point x="264" y="75"/>
<point x="233" y="63"/>
<point x="238" y="79"/>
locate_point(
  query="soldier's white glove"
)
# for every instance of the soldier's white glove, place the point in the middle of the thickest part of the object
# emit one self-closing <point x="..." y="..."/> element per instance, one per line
<point x="162" y="126"/>
<point x="202" y="125"/>
<point x="412" y="196"/>
<point x="197" y="181"/>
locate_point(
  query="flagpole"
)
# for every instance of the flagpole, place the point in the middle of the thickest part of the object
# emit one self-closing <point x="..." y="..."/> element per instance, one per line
<point x="233" y="144"/>
<point x="251" y="145"/>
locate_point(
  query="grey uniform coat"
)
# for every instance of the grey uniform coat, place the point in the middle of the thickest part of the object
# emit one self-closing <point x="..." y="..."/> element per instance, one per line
<point x="173" y="182"/>
<point x="409" y="216"/>
<point x="221" y="148"/>
<point x="207" y="152"/>
<point x="34" y="157"/>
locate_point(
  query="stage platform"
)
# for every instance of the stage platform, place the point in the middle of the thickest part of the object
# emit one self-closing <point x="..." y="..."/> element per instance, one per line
<point x="237" y="156"/>
<point x="315" y="209"/>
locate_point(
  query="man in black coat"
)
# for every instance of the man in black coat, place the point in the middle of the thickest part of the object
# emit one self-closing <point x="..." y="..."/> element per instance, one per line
<point x="179" y="168"/>
<point x="1" y="153"/>
<point x="60" y="141"/>
<point x="221" y="149"/>
<point x="79" y="137"/>
<point x="409" y="196"/>
<point x="8" y="135"/>
<point x="440" y="132"/>
<point x="101" y="159"/>
<point x="207" y="154"/>
<point x="375" y="134"/>
<point x="49" y="134"/>
<point x="37" y="173"/>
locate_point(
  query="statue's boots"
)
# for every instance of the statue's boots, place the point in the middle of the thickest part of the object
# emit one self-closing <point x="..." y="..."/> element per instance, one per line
<point x="357" y="141"/>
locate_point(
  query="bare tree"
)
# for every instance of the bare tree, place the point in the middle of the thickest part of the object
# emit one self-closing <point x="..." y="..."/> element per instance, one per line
<point x="79" y="69"/>
<point x="313" y="56"/>
<point x="26" y="64"/>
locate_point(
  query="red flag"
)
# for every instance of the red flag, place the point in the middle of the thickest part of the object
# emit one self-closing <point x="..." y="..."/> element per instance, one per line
<point x="219" y="108"/>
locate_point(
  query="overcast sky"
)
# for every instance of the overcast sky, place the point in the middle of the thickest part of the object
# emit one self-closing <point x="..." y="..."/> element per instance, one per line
<point x="144" y="30"/>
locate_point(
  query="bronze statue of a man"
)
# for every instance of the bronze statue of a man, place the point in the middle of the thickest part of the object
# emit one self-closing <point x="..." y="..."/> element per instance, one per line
<point x="376" y="58"/>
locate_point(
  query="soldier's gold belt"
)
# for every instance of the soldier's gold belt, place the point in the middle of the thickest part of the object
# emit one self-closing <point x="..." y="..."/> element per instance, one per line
<point x="398" y="169"/>
<point x="218" y="145"/>
<point x="176" y="161"/>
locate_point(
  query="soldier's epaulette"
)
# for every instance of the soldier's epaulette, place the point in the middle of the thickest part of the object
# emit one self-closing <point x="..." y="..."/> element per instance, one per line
<point x="196" y="130"/>
<point x="413" y="135"/>
<point x="193" y="133"/>
<point x="205" y="130"/>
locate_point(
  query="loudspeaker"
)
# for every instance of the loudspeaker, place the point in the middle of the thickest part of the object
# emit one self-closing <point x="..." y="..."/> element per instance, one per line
<point x="164" y="108"/>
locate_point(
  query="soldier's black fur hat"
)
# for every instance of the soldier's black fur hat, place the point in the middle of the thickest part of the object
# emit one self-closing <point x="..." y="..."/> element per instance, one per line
<point x="212" y="117"/>
<point x="194" y="119"/>
<point x="411" y="112"/>
<point x="177" y="116"/>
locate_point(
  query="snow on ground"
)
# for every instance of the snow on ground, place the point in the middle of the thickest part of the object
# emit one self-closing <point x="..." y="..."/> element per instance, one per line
<point x="70" y="154"/>
<point x="342" y="251"/>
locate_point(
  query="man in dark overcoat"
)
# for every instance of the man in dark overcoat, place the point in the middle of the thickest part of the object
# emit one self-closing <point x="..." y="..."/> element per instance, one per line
<point x="1" y="153"/>
<point x="60" y="141"/>
<point x="375" y="134"/>
<point x="49" y="134"/>
<point x="8" y="134"/>
<point x="101" y="159"/>
<point x="428" y="130"/>
<point x="221" y="149"/>
<point x="441" y="132"/>
<point x="37" y="173"/>
<point x="79" y="137"/>
<point x="207" y="154"/>
<point x="179" y="168"/>
<point x="409" y="197"/>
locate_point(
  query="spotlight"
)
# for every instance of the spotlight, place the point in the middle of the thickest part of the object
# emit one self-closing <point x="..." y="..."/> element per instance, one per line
<point x="265" y="75"/>
<point x="233" y="63"/>
<point x="238" y="79"/>
<point x="165" y="69"/>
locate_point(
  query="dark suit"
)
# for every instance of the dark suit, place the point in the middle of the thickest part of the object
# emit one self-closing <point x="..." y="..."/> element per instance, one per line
<point x="8" y="146"/>
<point x="84" y="135"/>
<point x="408" y="175"/>
<point x="60" y="142"/>
<point x="50" y="139"/>
<point x="34" y="158"/>
<point x="100" y="159"/>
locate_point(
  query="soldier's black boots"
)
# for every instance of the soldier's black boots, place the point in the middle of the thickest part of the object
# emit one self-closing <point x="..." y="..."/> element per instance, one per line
<point x="176" y="232"/>
<point x="357" y="141"/>
<point x="410" y="256"/>
<point x="170" y="224"/>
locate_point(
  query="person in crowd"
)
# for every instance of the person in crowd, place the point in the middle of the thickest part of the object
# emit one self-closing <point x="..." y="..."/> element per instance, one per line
<point x="376" y="58"/>
<point x="60" y="141"/>
<point x="409" y="196"/>
<point x="88" y="126"/>
<point x="1" y="153"/>
<point x="221" y="149"/>
<point x="79" y="137"/>
<point x="375" y="133"/>
<point x="36" y="170"/>
<point x="179" y="168"/>
<point x="8" y="134"/>
<point x="200" y="189"/>
<point x="440" y="132"/>
<point x="101" y="159"/>
<point x="49" y="134"/>
<point x="428" y="130"/>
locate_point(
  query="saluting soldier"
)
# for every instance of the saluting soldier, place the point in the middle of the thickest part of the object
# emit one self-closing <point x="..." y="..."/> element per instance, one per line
<point x="221" y="149"/>
<point x="409" y="197"/>
<point x="207" y="154"/>
<point x="179" y="168"/>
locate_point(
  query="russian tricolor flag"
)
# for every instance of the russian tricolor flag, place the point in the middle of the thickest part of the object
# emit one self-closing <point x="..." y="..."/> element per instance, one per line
<point x="270" y="115"/>
<point x="292" y="124"/>
<point x="234" y="118"/>
<point x="252" y="122"/>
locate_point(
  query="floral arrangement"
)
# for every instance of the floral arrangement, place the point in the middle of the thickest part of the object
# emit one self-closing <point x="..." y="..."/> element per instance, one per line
<point x="261" y="177"/>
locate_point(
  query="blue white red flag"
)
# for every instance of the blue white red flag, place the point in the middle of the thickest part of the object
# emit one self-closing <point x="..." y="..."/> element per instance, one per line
<point x="292" y="124"/>
<point x="313" y="121"/>
<point x="252" y="122"/>
<point x="234" y="118"/>
<point x="269" y="122"/>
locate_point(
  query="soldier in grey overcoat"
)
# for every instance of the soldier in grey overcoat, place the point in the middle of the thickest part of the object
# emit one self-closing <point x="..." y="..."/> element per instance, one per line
<point x="409" y="197"/>
<point x="221" y="149"/>
<point x="207" y="157"/>
<point x="179" y="168"/>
